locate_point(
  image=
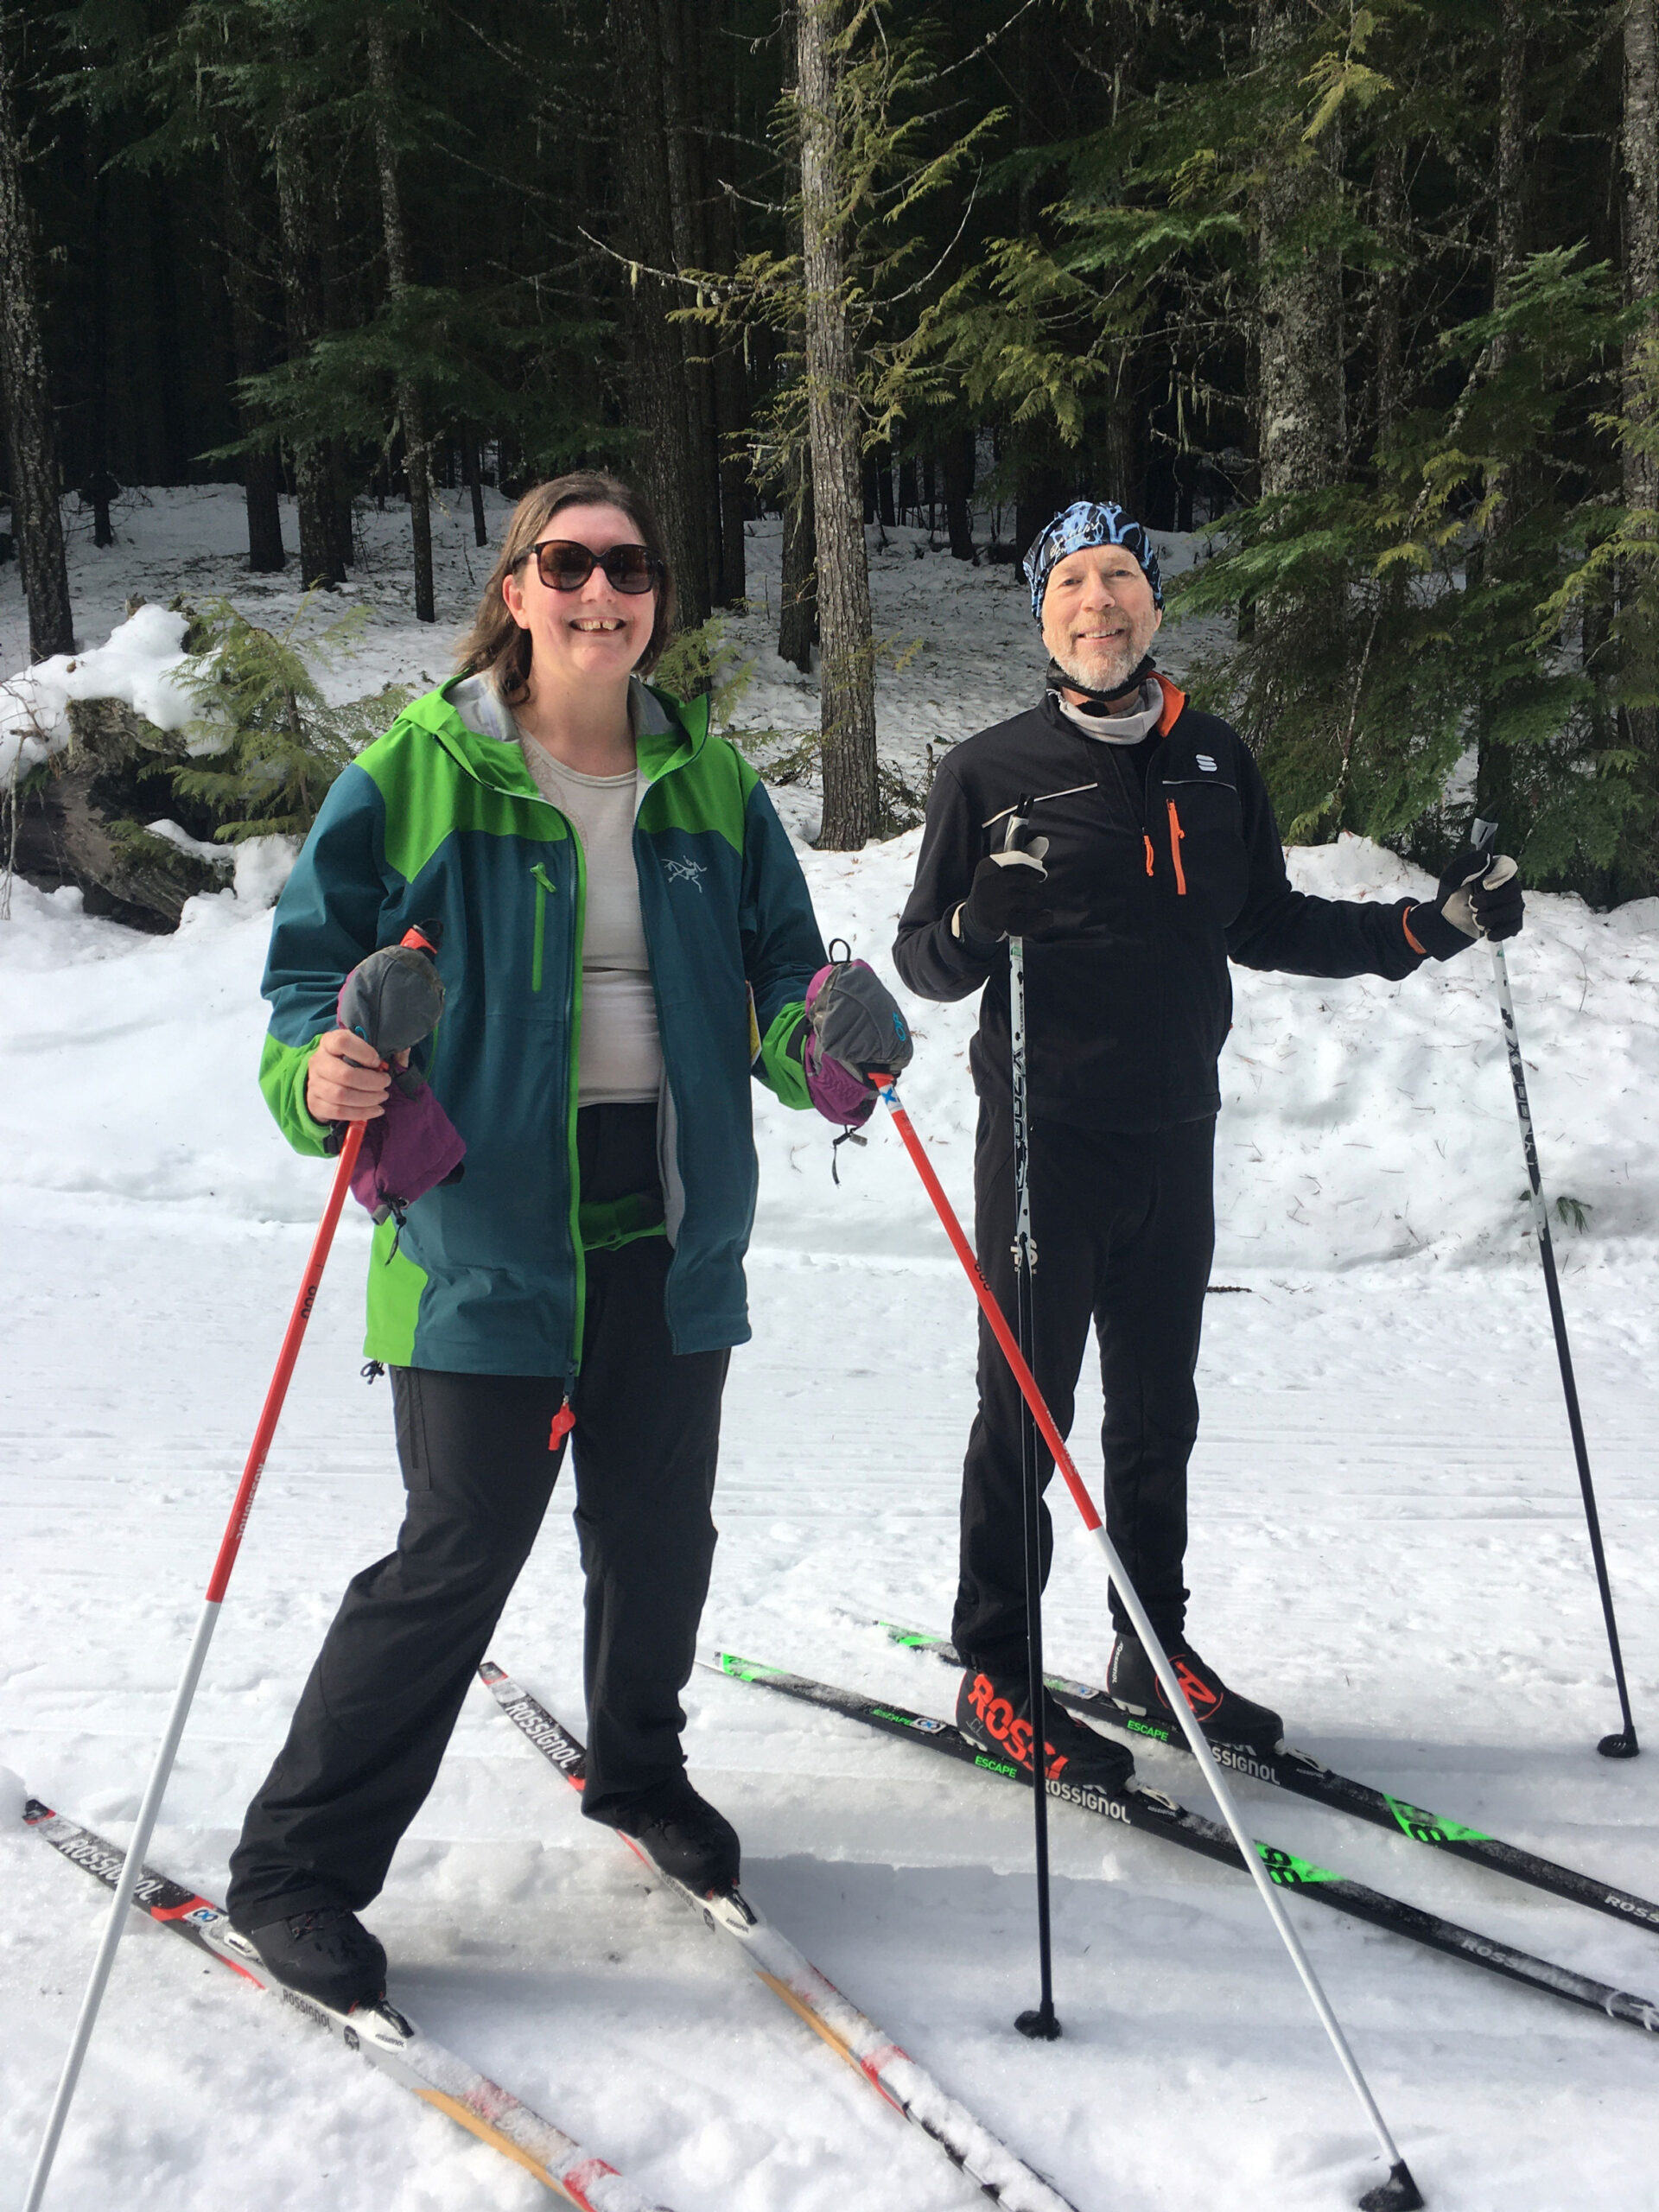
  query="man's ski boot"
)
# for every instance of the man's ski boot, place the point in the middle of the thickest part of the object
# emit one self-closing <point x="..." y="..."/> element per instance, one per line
<point x="682" y="1834"/>
<point x="995" y="1714"/>
<point x="326" y="1953"/>
<point x="1223" y="1715"/>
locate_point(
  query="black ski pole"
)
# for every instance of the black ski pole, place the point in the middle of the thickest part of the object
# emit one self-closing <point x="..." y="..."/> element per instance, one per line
<point x="1040" y="2023"/>
<point x="1622" y="1744"/>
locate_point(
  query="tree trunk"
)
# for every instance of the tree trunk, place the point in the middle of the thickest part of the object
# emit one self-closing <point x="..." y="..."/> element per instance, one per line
<point x="37" y="516"/>
<point x="797" y="606"/>
<point x="1299" y="399"/>
<point x="1494" y="767"/>
<point x="262" y="473"/>
<point x="958" y="458"/>
<point x="99" y="482"/>
<point x="1641" y="163"/>
<point x="314" y="473"/>
<point x="472" y="476"/>
<point x="847" y="658"/>
<point x="416" y="458"/>
<point x="685" y="103"/>
<point x="655" y="366"/>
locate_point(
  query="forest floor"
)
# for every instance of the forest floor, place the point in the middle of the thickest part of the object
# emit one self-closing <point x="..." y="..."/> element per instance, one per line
<point x="1388" y="1543"/>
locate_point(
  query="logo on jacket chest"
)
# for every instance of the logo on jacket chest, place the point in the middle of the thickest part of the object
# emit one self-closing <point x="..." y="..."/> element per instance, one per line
<point x="690" y="871"/>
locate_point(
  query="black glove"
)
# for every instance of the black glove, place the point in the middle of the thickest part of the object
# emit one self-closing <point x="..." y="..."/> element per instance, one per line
<point x="1479" y="895"/>
<point x="1007" y="898"/>
<point x="857" y="1025"/>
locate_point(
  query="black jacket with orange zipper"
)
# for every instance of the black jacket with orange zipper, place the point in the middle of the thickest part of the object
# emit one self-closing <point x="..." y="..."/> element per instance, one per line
<point x="1153" y="887"/>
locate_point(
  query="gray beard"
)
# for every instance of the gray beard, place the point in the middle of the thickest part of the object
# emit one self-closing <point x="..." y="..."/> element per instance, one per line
<point x="1120" y="669"/>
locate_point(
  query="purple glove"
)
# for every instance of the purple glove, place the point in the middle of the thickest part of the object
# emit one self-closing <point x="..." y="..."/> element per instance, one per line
<point x="392" y="999"/>
<point x="856" y="1030"/>
<point x="407" y="1151"/>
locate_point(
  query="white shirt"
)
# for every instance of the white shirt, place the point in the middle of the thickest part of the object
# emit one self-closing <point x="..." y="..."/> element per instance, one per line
<point x="620" y="1056"/>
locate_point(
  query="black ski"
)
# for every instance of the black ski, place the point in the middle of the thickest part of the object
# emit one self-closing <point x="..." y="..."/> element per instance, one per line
<point x="1306" y="1777"/>
<point x="892" y="2072"/>
<point x="378" y="2032"/>
<point x="1154" y="1814"/>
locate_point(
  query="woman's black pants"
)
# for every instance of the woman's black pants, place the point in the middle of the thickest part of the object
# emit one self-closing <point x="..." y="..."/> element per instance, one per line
<point x="373" y="1722"/>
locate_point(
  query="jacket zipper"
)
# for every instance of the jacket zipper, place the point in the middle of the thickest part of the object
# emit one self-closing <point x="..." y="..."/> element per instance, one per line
<point x="1176" y="834"/>
<point x="543" y="885"/>
<point x="572" y="1098"/>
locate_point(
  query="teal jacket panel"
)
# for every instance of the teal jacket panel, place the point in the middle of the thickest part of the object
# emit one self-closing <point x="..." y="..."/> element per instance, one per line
<point x="437" y="822"/>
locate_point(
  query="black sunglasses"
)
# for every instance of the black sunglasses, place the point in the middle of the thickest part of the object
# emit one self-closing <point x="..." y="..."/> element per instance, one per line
<point x="563" y="565"/>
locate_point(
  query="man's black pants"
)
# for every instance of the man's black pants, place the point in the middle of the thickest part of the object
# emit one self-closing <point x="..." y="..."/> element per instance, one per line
<point x="373" y="1722"/>
<point x="1124" y="1227"/>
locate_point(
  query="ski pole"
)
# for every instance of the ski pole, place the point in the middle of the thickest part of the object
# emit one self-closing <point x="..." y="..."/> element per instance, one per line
<point x="1398" y="2192"/>
<point x="219" y="1582"/>
<point x="1040" y="2023"/>
<point x="1622" y="1745"/>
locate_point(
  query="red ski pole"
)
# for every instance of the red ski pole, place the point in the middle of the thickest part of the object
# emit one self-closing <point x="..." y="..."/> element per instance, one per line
<point x="1398" y="2192"/>
<point x="219" y="1582"/>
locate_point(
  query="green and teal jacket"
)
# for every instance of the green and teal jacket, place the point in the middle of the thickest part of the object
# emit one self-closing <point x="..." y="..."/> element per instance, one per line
<point x="439" y="821"/>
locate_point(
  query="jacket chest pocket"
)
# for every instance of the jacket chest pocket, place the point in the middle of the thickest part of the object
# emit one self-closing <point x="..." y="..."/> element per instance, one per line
<point x="1200" y="824"/>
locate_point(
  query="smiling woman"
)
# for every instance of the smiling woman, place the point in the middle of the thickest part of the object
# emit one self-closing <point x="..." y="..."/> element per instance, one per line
<point x="626" y="939"/>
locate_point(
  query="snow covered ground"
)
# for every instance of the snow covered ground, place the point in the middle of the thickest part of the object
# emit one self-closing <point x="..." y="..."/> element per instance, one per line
<point x="1387" y="1541"/>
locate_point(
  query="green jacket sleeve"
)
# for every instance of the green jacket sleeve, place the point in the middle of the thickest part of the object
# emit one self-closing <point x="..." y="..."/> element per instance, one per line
<point x="330" y="916"/>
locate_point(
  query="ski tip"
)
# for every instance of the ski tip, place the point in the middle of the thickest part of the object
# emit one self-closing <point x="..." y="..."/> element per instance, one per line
<point x="490" y="1673"/>
<point x="1398" y="2193"/>
<point x="1621" y="1745"/>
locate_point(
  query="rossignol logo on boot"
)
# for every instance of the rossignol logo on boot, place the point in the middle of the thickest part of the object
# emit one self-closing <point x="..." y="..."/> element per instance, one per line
<point x="999" y="1721"/>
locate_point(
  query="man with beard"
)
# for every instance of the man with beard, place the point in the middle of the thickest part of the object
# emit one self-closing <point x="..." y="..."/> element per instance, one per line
<point x="1162" y="861"/>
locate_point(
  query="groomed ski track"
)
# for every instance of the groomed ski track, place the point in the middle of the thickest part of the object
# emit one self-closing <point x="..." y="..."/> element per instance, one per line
<point x="380" y="2034"/>
<point x="891" y="2072"/>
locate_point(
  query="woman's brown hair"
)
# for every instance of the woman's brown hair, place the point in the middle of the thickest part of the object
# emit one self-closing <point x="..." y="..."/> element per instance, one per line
<point x="495" y="645"/>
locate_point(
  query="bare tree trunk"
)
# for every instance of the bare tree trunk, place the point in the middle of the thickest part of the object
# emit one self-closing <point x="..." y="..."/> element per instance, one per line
<point x="655" y="361"/>
<point x="1640" y="148"/>
<point x="685" y="103"/>
<point x="472" y="476"/>
<point x="798" y="608"/>
<point x="313" y="472"/>
<point x="1495" y="770"/>
<point x="416" y="458"/>
<point x="959" y="457"/>
<point x="262" y="473"/>
<point x="1298" y="397"/>
<point x="98" y="477"/>
<point x="37" y="517"/>
<point x="847" y="659"/>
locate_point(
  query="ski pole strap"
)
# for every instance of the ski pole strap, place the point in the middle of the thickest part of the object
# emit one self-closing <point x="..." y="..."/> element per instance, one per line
<point x="606" y="1225"/>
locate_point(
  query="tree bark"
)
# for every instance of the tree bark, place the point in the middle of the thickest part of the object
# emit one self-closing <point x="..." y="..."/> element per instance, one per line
<point x="958" y="457"/>
<point x="1640" y="150"/>
<point x="1299" y="394"/>
<point x="37" y="516"/>
<point x="798" y="607"/>
<point x="314" y="473"/>
<point x="847" y="657"/>
<point x="416" y="455"/>
<point x="1495" y="768"/>
<point x="655" y="366"/>
<point x="262" y="472"/>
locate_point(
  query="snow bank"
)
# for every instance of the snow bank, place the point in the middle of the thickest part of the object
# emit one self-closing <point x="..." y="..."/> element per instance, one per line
<point x="138" y="662"/>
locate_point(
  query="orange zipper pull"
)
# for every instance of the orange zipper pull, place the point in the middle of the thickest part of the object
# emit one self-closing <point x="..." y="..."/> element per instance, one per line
<point x="1176" y="834"/>
<point x="1147" y="834"/>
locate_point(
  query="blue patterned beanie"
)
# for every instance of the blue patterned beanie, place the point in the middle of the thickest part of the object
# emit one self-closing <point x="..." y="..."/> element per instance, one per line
<point x="1088" y="522"/>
